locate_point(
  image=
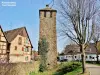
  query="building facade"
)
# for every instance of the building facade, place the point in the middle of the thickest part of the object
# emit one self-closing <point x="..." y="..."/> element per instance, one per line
<point x="15" y="45"/>
<point x="4" y="49"/>
<point x="72" y="52"/>
<point x="20" y="45"/>
<point x="48" y="31"/>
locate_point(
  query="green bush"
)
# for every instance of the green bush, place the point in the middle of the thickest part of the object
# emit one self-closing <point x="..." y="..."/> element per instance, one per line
<point x="42" y="68"/>
<point x="67" y="67"/>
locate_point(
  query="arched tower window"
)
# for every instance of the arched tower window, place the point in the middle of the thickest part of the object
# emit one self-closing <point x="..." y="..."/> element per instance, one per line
<point x="45" y="14"/>
<point x="50" y="14"/>
<point x="0" y="37"/>
<point x="20" y="41"/>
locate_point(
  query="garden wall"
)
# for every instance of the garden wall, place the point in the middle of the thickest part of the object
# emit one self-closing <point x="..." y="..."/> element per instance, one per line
<point x="16" y="68"/>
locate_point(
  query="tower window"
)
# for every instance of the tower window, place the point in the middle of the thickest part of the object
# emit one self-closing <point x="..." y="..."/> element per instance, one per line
<point x="50" y="14"/>
<point x="0" y="37"/>
<point x="45" y="14"/>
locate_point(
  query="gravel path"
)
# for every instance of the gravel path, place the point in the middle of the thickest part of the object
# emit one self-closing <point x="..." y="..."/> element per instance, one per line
<point x="93" y="69"/>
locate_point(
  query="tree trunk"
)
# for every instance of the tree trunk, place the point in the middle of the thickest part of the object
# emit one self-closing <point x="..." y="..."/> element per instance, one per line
<point x="83" y="58"/>
<point x="97" y="52"/>
<point x="97" y="58"/>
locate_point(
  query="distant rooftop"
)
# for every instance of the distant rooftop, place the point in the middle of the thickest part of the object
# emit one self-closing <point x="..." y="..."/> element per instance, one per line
<point x="74" y="49"/>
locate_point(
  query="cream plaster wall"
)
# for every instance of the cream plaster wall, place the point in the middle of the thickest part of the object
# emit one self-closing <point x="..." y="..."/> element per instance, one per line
<point x="19" y="55"/>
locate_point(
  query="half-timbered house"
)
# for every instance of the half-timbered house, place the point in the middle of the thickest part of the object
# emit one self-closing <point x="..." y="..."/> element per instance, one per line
<point x="4" y="47"/>
<point x="20" y="45"/>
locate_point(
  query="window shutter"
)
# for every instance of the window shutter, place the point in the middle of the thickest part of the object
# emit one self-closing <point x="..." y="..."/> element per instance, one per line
<point x="22" y="48"/>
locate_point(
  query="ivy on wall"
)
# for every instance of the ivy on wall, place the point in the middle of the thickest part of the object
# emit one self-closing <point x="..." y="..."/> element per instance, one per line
<point x="43" y="50"/>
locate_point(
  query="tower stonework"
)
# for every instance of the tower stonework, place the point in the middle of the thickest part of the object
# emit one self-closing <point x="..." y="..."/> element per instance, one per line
<point x="48" y="31"/>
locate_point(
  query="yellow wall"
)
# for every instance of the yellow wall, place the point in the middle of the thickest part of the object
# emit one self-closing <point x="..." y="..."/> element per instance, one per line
<point x="19" y="55"/>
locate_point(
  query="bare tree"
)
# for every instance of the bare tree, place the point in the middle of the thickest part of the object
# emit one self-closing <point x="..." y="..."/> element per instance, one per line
<point x="75" y="20"/>
<point x="96" y="36"/>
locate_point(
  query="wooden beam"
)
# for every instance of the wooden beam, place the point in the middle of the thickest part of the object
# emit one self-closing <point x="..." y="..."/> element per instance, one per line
<point x="4" y="41"/>
<point x="3" y="53"/>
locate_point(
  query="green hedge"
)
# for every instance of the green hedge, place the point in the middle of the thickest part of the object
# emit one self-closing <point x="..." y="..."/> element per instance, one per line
<point x="67" y="67"/>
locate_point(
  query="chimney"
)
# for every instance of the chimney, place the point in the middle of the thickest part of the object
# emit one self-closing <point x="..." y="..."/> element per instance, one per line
<point x="47" y="5"/>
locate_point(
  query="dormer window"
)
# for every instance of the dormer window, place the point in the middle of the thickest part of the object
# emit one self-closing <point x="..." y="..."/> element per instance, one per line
<point x="20" y="41"/>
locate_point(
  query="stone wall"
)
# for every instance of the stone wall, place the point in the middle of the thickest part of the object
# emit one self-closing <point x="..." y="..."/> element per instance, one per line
<point x="16" y="68"/>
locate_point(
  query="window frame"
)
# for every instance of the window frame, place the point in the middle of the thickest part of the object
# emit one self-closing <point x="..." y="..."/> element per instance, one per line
<point x="15" y="47"/>
<point x="20" y="41"/>
<point x="26" y="49"/>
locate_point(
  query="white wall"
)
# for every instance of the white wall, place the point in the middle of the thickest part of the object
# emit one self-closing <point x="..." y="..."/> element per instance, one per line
<point x="89" y="57"/>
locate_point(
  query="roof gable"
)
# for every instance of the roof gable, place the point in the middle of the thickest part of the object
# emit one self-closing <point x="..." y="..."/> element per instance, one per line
<point x="12" y="34"/>
<point x="25" y="34"/>
<point x="1" y="32"/>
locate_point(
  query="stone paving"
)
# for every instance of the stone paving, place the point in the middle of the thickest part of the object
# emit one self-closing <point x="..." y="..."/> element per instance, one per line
<point x="93" y="69"/>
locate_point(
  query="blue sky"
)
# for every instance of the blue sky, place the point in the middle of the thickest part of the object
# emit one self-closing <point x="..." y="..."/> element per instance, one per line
<point x="25" y="13"/>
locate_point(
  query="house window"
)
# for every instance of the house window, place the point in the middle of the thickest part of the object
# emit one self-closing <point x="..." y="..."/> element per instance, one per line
<point x="22" y="48"/>
<point x="45" y="14"/>
<point x="75" y="56"/>
<point x="26" y="49"/>
<point x="15" y="47"/>
<point x="86" y="57"/>
<point x="27" y="40"/>
<point x="90" y="57"/>
<point x="20" y="41"/>
<point x="26" y="58"/>
<point x="2" y="46"/>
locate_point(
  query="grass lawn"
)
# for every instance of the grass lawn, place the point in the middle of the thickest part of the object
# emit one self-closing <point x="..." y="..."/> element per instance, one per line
<point x="58" y="71"/>
<point x="75" y="72"/>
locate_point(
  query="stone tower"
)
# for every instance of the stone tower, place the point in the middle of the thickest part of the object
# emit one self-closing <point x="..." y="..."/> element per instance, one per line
<point x="48" y="30"/>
